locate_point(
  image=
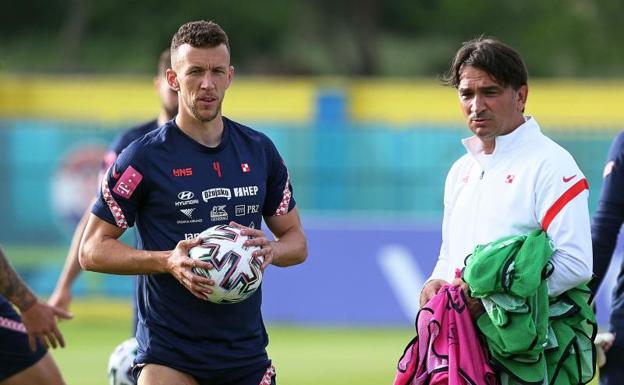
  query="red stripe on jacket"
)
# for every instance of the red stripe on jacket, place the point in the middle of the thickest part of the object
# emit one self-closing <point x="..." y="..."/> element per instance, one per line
<point x="563" y="200"/>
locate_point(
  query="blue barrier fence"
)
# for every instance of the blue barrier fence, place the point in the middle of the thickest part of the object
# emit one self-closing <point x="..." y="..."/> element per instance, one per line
<point x="48" y="170"/>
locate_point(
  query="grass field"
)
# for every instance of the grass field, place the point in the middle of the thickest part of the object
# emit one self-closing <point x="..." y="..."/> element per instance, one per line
<point x="302" y="355"/>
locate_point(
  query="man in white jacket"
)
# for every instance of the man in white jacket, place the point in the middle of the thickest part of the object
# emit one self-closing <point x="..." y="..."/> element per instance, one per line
<point x="513" y="179"/>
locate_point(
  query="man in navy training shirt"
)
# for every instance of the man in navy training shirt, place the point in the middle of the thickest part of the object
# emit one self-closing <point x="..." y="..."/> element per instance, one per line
<point x="61" y="297"/>
<point x="196" y="171"/>
<point x="606" y="225"/>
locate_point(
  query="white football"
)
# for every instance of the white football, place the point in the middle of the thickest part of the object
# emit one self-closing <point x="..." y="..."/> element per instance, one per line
<point x="236" y="273"/>
<point x="121" y="361"/>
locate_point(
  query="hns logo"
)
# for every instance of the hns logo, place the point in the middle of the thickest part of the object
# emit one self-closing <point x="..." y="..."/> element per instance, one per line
<point x="245" y="167"/>
<point x="182" y="171"/>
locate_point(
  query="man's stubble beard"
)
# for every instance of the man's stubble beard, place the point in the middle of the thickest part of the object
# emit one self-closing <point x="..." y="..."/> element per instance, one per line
<point x="196" y="114"/>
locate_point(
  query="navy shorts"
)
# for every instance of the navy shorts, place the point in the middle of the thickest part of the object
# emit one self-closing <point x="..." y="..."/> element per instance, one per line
<point x="15" y="353"/>
<point x="263" y="374"/>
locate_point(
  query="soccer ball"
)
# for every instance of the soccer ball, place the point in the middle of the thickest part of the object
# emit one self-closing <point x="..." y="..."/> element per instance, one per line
<point x="236" y="273"/>
<point x="120" y="363"/>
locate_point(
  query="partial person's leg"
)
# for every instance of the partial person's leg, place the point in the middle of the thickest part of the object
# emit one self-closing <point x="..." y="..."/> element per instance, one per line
<point x="19" y="365"/>
<point x="613" y="371"/>
<point x="153" y="374"/>
<point x="44" y="372"/>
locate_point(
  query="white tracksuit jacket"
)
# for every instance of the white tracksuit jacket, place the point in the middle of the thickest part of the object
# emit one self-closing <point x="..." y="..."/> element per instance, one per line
<point x="528" y="182"/>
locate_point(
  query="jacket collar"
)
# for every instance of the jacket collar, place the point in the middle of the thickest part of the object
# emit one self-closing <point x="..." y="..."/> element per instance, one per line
<point x="504" y="143"/>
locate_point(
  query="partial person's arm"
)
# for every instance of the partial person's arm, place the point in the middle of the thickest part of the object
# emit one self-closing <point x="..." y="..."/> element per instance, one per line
<point x="609" y="215"/>
<point x="290" y="245"/>
<point x="101" y="251"/>
<point x="38" y="317"/>
<point x="62" y="294"/>
<point x="606" y="225"/>
<point x="561" y="205"/>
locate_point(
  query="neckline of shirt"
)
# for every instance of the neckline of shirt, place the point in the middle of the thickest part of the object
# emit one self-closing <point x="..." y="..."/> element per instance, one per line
<point x="225" y="138"/>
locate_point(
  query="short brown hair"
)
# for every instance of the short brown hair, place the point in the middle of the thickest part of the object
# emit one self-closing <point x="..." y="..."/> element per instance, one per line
<point x="200" y="34"/>
<point x="499" y="60"/>
<point x="164" y="62"/>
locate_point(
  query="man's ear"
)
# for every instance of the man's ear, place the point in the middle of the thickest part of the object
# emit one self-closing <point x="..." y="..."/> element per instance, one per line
<point x="521" y="97"/>
<point x="172" y="80"/>
<point x="230" y="76"/>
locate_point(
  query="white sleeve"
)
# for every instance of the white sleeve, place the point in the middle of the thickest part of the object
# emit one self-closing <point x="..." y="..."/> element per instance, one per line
<point x="440" y="271"/>
<point x="561" y="204"/>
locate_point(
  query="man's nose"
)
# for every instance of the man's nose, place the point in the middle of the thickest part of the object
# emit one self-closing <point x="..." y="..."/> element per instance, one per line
<point x="477" y="105"/>
<point x="207" y="82"/>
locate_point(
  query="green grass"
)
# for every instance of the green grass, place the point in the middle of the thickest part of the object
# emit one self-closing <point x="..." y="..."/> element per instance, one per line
<point x="30" y="256"/>
<point x="302" y="355"/>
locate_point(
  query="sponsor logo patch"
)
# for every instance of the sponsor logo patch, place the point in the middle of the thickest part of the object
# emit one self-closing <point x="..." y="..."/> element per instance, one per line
<point x="186" y="198"/>
<point x="188" y="212"/>
<point x="185" y="195"/>
<point x="128" y="182"/>
<point x="188" y="171"/>
<point x="240" y="210"/>
<point x="217" y="192"/>
<point x="246" y="191"/>
<point x="218" y="213"/>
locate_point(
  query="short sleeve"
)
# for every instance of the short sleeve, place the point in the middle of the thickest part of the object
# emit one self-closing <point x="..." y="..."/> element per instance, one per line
<point x="122" y="188"/>
<point x="279" y="198"/>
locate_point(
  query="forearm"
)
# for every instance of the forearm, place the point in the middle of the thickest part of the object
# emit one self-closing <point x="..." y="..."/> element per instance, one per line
<point x="101" y="251"/>
<point x="12" y="287"/>
<point x="570" y="232"/>
<point x="109" y="255"/>
<point x="72" y="268"/>
<point x="569" y="272"/>
<point x="291" y="248"/>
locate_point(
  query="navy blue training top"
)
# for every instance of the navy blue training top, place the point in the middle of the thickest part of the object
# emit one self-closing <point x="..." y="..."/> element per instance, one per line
<point x="121" y="141"/>
<point x="606" y="225"/>
<point x="172" y="188"/>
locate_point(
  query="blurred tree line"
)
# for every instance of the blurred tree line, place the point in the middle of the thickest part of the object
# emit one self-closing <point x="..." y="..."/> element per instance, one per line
<point x="558" y="38"/>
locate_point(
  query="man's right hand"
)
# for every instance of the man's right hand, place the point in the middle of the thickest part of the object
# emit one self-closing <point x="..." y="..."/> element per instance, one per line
<point x="180" y="265"/>
<point x="430" y="289"/>
<point x="40" y="323"/>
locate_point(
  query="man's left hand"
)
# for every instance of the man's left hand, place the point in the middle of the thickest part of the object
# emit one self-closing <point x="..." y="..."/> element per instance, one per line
<point x="475" y="306"/>
<point x="268" y="249"/>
